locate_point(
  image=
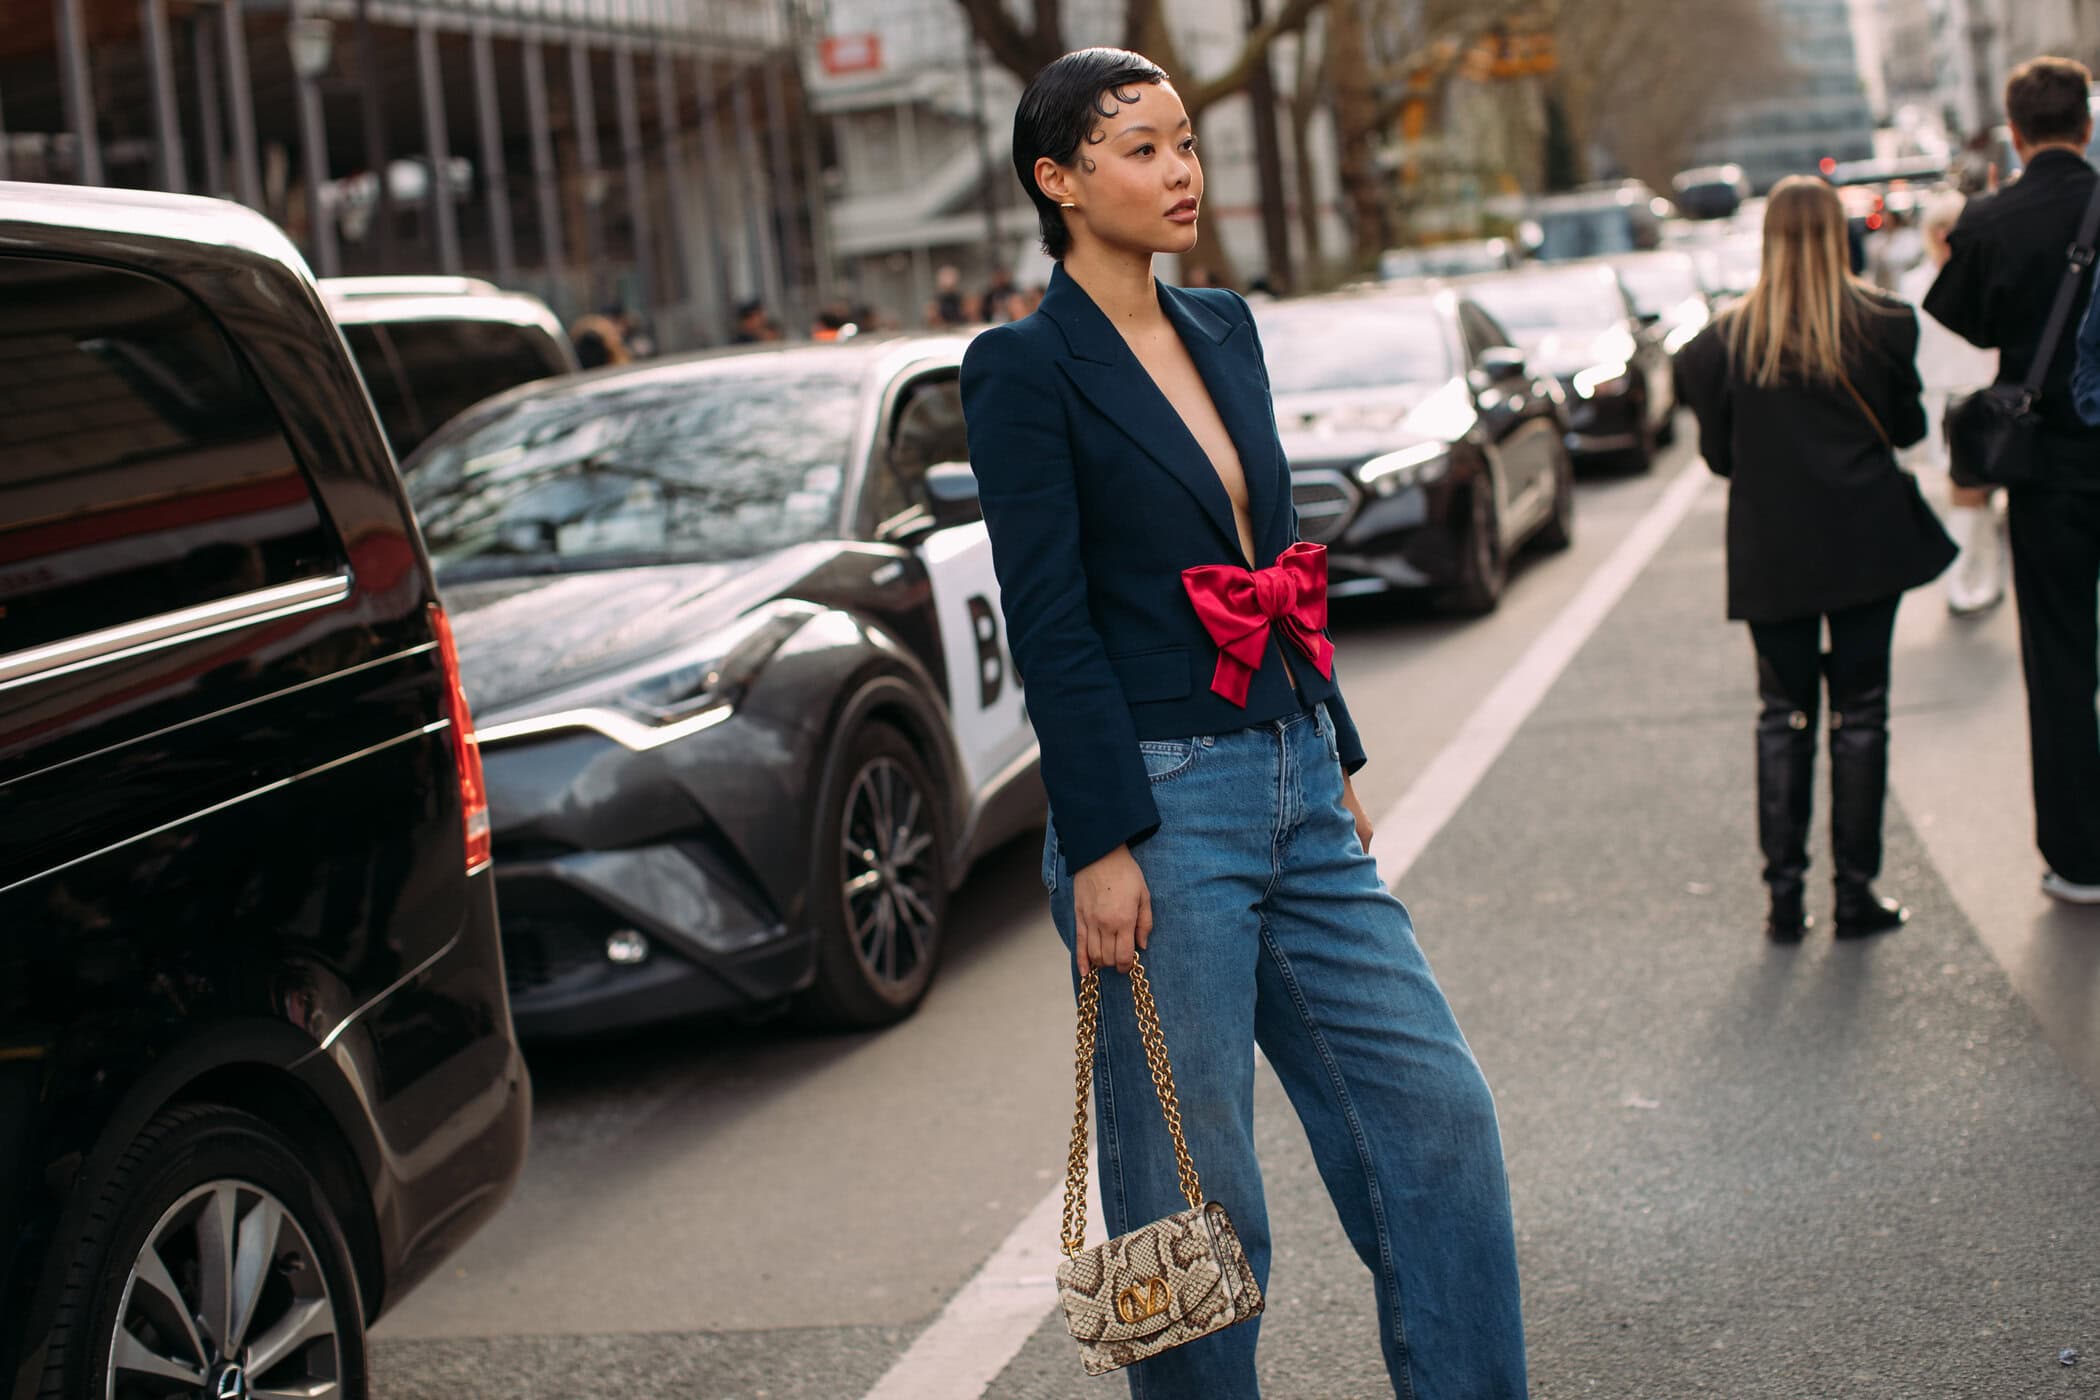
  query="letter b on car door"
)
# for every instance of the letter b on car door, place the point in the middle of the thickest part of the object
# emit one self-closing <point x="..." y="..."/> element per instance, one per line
<point x="984" y="694"/>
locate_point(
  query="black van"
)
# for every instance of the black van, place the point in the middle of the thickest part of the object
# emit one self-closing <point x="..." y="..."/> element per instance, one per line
<point x="257" y="1073"/>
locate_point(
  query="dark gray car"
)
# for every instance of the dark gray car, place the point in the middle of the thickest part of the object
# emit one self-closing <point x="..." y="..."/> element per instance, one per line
<point x="731" y="633"/>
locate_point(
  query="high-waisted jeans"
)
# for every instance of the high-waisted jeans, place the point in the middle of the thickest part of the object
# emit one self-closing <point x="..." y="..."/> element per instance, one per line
<point x="1271" y="927"/>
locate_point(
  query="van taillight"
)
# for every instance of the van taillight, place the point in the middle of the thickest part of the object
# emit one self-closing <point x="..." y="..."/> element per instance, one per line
<point x="466" y="754"/>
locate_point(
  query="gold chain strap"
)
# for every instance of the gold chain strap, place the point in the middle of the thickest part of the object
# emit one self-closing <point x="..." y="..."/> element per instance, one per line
<point x="1073" y="1231"/>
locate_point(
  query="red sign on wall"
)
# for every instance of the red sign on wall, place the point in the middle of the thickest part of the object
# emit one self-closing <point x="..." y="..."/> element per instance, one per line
<point x="851" y="53"/>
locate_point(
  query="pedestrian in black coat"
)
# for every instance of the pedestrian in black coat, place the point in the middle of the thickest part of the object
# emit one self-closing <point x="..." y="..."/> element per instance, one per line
<point x="2007" y="260"/>
<point x="1803" y="391"/>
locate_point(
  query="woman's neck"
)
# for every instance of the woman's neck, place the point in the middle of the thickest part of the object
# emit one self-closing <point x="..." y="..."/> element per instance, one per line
<point x="1119" y="283"/>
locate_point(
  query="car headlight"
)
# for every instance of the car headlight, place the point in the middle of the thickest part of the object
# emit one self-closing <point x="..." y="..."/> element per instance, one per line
<point x="1603" y="380"/>
<point x="1410" y="466"/>
<point x="715" y="673"/>
<point x="690" y="691"/>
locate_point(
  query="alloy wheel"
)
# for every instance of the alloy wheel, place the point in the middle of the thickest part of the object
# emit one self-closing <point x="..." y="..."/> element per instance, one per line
<point x="890" y="873"/>
<point x="227" y="1300"/>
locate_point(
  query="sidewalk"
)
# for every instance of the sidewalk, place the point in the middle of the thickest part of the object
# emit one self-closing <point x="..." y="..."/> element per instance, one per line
<point x="1740" y="1170"/>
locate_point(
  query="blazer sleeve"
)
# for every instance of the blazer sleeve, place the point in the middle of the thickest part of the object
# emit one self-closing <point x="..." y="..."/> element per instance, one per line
<point x="1702" y="377"/>
<point x="1960" y="296"/>
<point x="1347" y="741"/>
<point x="1100" y="796"/>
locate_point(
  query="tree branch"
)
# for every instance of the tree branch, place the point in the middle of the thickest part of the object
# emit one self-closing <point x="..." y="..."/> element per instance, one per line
<point x="1289" y="20"/>
<point x="1479" y="21"/>
<point x="1018" y="52"/>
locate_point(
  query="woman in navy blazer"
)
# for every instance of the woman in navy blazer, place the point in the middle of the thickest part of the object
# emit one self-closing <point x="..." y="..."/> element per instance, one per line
<point x="1170" y="631"/>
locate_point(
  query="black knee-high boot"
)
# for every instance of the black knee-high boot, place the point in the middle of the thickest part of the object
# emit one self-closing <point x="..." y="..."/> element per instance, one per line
<point x="1859" y="770"/>
<point x="1786" y="766"/>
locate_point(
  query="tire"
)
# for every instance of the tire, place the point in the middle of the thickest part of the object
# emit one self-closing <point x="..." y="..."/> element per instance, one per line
<point x="878" y="942"/>
<point x="1483" y="566"/>
<point x="154" y="1225"/>
<point x="1640" y="458"/>
<point x="1558" y="533"/>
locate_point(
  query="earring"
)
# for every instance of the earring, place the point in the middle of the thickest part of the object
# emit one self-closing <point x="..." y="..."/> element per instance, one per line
<point x="1068" y="205"/>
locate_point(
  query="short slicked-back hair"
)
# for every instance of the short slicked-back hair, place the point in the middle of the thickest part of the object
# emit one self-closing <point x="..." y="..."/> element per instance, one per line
<point x="1060" y="111"/>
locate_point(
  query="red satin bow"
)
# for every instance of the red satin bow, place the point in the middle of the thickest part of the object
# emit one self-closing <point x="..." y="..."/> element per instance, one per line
<point x="1238" y="606"/>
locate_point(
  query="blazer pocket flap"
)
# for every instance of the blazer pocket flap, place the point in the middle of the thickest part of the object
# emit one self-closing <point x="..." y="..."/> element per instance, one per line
<point x="1161" y="674"/>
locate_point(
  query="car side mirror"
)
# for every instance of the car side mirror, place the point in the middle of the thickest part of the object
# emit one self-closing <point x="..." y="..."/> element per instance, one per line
<point x="951" y="492"/>
<point x="1500" y="362"/>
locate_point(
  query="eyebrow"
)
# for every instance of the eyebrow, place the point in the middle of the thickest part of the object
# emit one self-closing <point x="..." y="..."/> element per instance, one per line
<point x="1148" y="127"/>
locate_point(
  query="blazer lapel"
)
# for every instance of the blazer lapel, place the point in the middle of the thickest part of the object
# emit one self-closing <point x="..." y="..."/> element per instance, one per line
<point x="1226" y="358"/>
<point x="1104" y="369"/>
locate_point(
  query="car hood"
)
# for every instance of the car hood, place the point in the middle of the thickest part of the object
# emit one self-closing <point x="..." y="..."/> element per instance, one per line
<point x="1341" y="425"/>
<point x="1563" y="353"/>
<point x="526" y="639"/>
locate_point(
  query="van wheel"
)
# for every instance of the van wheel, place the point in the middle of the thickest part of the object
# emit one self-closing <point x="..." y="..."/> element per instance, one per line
<point x="211" y="1264"/>
<point x="881" y="897"/>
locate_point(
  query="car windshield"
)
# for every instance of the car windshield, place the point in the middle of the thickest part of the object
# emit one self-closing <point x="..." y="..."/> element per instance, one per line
<point x="1585" y="233"/>
<point x="653" y="467"/>
<point x="1314" y="346"/>
<point x="1733" y="267"/>
<point x="1660" y="282"/>
<point x="1533" y="304"/>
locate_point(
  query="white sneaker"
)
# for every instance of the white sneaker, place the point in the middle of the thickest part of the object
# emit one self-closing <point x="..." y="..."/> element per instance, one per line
<point x="2070" y="892"/>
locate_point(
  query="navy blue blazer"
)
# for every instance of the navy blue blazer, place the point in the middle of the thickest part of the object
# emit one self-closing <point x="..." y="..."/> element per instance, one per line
<point x="1097" y="496"/>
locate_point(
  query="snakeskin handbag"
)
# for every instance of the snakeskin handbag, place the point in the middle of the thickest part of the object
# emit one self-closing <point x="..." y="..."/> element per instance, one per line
<point x="1165" y="1283"/>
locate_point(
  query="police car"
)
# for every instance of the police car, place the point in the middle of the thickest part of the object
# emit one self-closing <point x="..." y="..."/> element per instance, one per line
<point x="730" y="632"/>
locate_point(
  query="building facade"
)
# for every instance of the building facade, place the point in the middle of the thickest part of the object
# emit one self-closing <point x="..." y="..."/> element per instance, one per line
<point x="1821" y="112"/>
<point x="923" y="175"/>
<point x="640" y="153"/>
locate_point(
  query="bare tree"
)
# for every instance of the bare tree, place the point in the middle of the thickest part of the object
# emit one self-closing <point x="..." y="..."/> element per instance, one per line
<point x="1024" y="49"/>
<point x="1639" y="83"/>
<point x="1379" y="54"/>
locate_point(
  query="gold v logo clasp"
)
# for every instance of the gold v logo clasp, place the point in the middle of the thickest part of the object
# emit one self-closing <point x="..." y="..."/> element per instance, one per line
<point x="1142" y="1300"/>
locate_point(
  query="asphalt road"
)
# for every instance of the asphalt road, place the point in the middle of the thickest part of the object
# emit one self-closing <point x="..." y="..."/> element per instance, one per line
<point x="1739" y="1171"/>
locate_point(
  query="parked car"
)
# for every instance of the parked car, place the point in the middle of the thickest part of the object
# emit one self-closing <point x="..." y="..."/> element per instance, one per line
<point x="1578" y="325"/>
<point x="429" y="347"/>
<point x="1622" y="216"/>
<point x="257" y="1074"/>
<point x="1424" y="453"/>
<point x="1710" y="191"/>
<point x="730" y="625"/>
<point x="1665" y="285"/>
<point x="1729" y="267"/>
<point x="1447" y="259"/>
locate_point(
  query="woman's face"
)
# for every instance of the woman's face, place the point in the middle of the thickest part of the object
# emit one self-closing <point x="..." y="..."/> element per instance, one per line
<point x="1136" y="180"/>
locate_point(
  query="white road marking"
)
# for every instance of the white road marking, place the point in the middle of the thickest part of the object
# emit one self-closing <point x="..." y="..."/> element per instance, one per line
<point x="986" y="1324"/>
<point x="1442" y="788"/>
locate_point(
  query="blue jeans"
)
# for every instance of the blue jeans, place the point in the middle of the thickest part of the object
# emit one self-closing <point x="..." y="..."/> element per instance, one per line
<point x="1271" y="927"/>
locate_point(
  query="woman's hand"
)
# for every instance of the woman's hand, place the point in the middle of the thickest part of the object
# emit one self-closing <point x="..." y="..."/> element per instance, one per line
<point x="1113" y="911"/>
<point x="1356" y="810"/>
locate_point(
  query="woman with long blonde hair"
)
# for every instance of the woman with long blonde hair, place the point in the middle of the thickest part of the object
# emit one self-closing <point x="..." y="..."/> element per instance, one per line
<point x="1803" y="391"/>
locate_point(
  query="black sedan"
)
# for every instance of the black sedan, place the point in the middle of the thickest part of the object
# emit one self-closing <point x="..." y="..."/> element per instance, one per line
<point x="1577" y="324"/>
<point x="1665" y="284"/>
<point x="1424" y="453"/>
<point x="731" y="633"/>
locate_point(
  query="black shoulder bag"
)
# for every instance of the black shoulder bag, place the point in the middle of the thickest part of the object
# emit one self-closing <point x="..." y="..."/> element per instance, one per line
<point x="1991" y="433"/>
